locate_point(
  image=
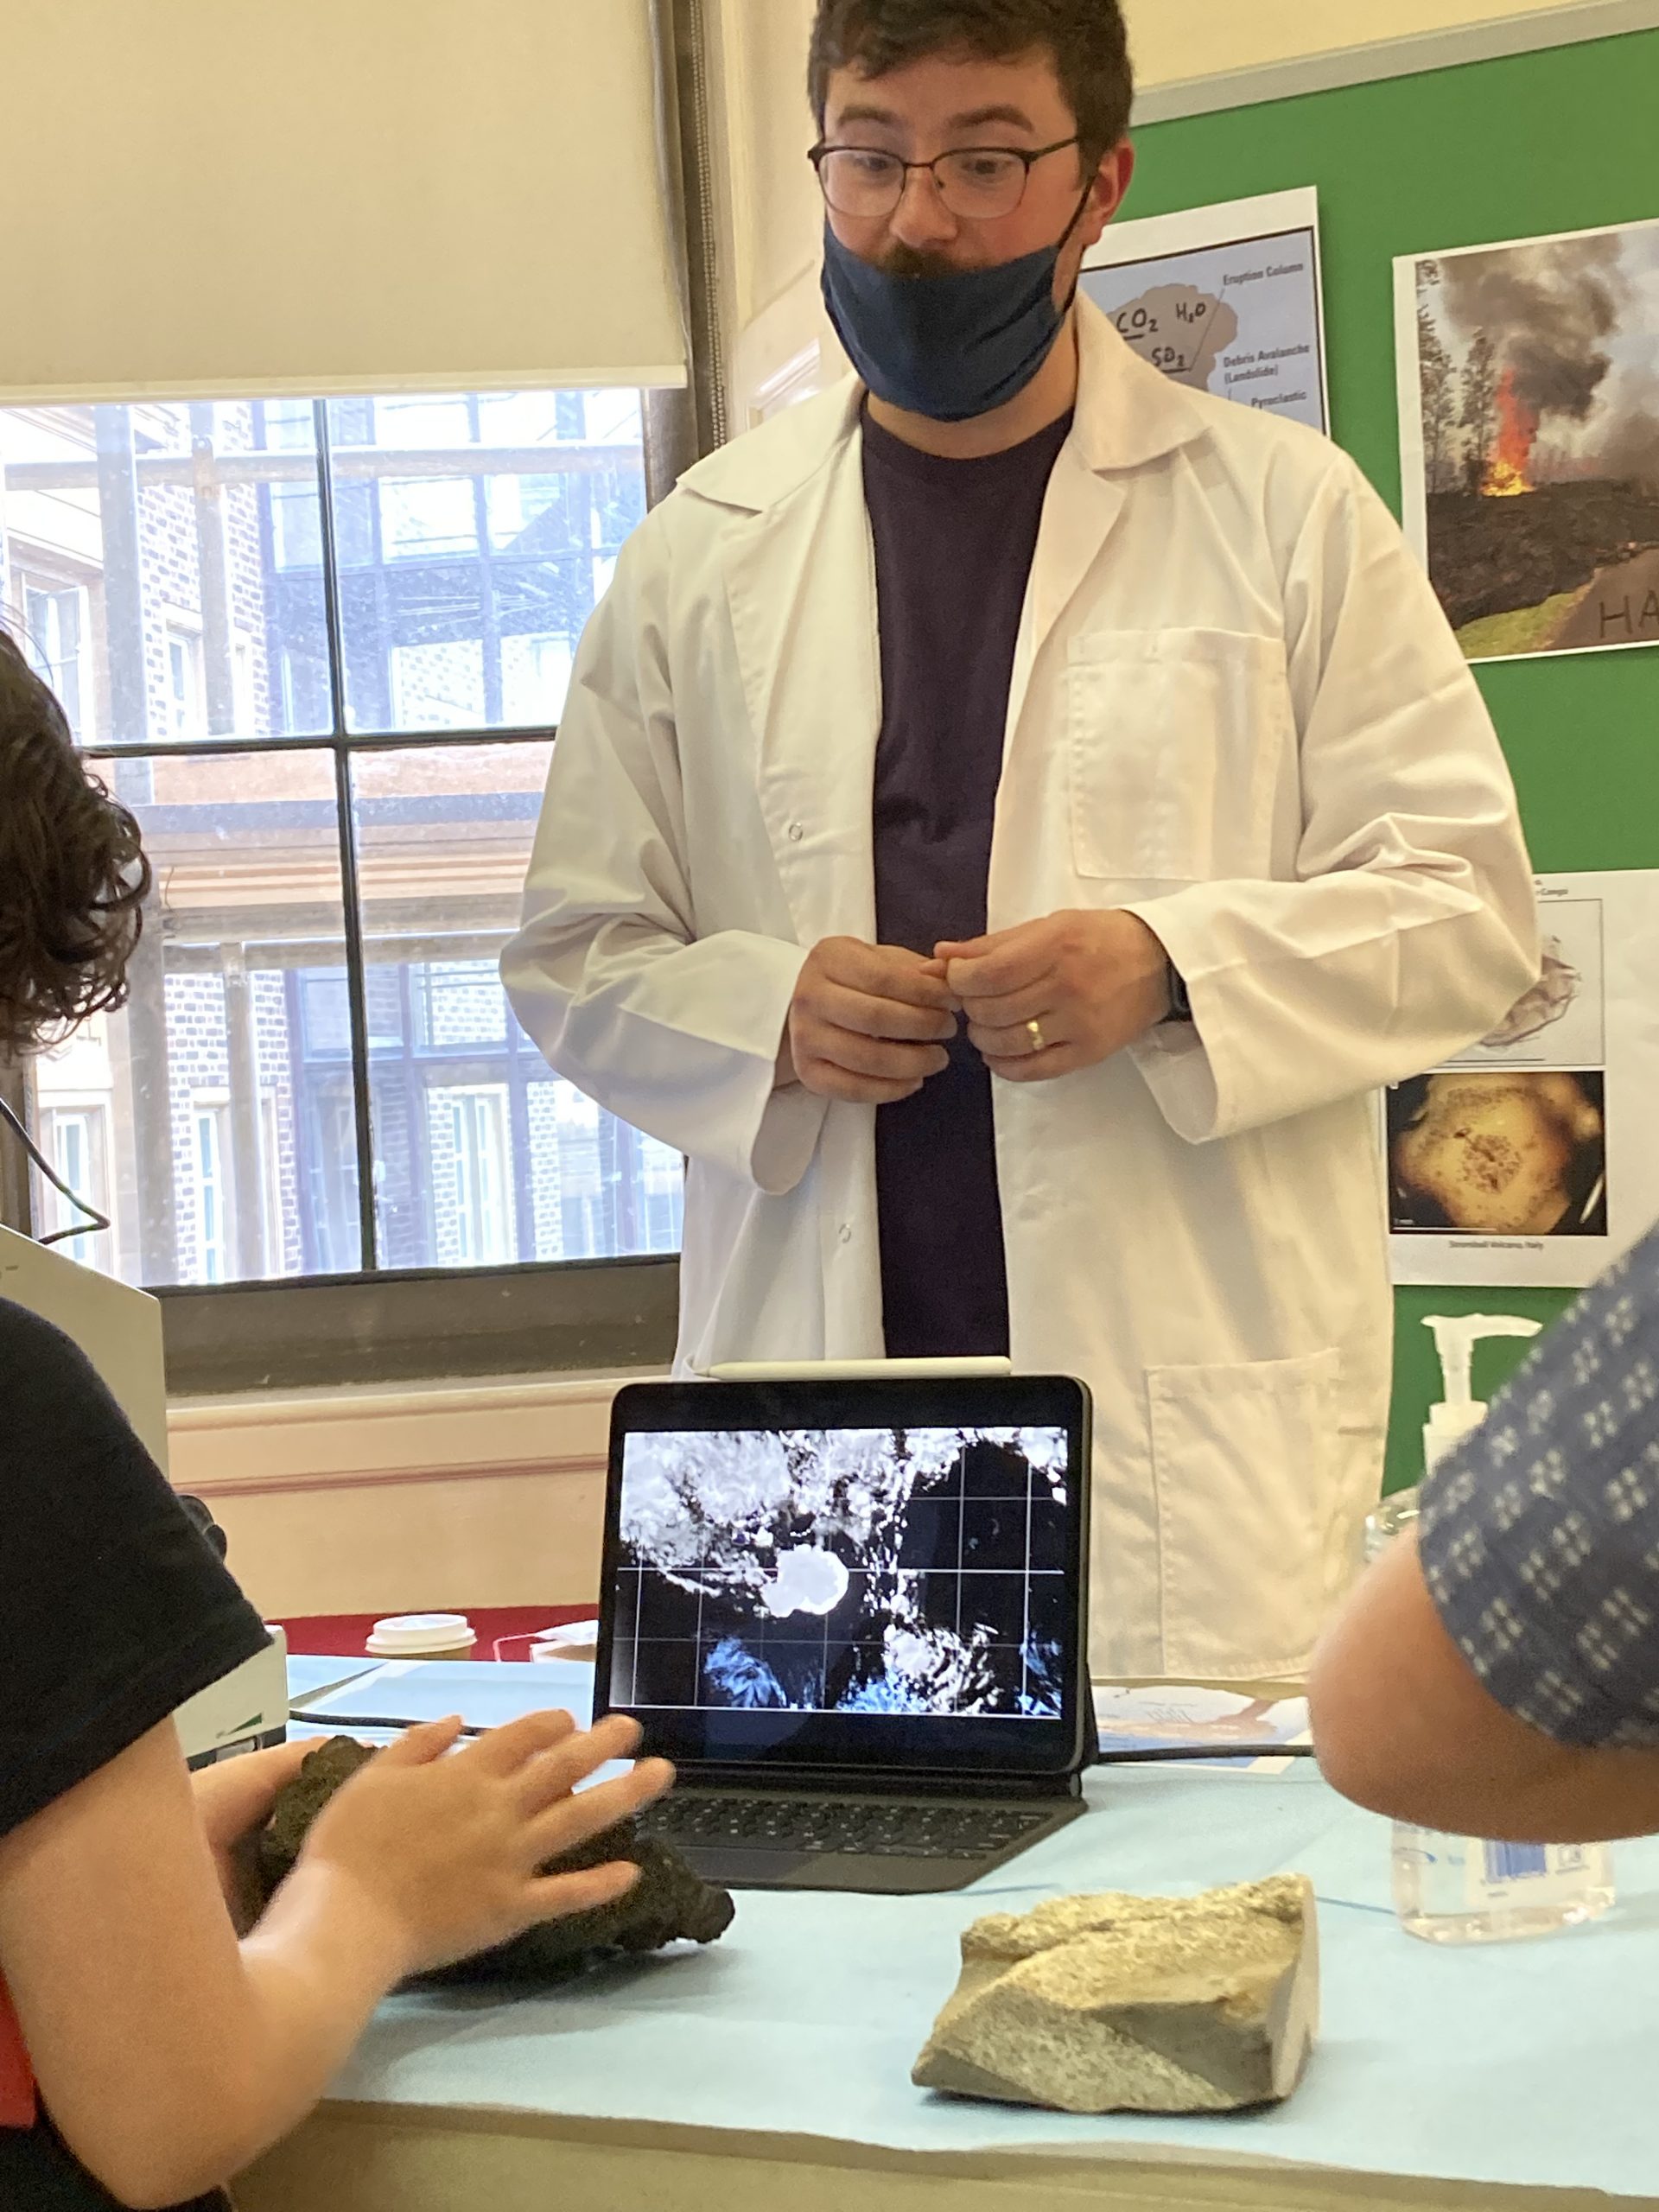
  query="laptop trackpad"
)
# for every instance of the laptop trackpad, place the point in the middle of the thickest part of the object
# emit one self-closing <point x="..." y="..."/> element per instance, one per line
<point x="740" y="1870"/>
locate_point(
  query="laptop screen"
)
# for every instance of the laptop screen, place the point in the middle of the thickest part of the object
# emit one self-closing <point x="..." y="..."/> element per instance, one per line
<point x="881" y="1574"/>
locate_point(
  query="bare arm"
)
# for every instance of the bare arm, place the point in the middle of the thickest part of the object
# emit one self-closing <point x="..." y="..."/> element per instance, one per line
<point x="171" y="2055"/>
<point x="1402" y="1725"/>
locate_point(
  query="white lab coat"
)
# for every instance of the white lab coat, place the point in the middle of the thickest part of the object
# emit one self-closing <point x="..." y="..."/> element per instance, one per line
<point x="1237" y="709"/>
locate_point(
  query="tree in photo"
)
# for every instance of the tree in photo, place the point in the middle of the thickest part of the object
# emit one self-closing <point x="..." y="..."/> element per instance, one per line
<point x="1479" y="405"/>
<point x="1439" y="403"/>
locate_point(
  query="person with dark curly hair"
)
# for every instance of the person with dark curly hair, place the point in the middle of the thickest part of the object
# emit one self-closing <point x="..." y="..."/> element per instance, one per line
<point x="150" y="2046"/>
<point x="73" y="877"/>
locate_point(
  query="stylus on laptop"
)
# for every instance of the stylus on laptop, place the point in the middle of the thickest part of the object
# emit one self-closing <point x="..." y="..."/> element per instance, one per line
<point x="340" y="1721"/>
<point x="854" y="1370"/>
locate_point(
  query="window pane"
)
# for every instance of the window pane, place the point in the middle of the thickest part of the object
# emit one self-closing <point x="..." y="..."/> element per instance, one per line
<point x="482" y="1156"/>
<point x="74" y="1133"/>
<point x="475" y="536"/>
<point x="163" y="564"/>
<point x="215" y="1133"/>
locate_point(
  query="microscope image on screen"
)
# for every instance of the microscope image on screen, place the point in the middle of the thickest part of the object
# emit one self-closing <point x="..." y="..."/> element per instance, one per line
<point x="852" y="1571"/>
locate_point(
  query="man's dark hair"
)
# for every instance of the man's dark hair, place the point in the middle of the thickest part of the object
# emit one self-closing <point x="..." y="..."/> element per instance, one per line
<point x="1087" y="39"/>
<point x="72" y="874"/>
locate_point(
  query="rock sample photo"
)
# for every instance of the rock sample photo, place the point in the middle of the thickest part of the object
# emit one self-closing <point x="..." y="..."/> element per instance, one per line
<point x="1130" y="2004"/>
<point x="667" y="1905"/>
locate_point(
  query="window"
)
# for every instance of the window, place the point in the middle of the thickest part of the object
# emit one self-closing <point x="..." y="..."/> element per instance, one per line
<point x="72" y="1127"/>
<point x="75" y="1138"/>
<point x="206" y="1188"/>
<point x="433" y="516"/>
<point x="475" y="1161"/>
<point x="187" y="706"/>
<point x="245" y="681"/>
<point x="332" y="640"/>
<point x="438" y="686"/>
<point x="274" y="1211"/>
<point x="51" y="639"/>
<point x="534" y="671"/>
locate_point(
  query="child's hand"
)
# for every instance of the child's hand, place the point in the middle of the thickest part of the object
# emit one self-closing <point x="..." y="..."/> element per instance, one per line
<point x="447" y="1849"/>
<point x="234" y="1798"/>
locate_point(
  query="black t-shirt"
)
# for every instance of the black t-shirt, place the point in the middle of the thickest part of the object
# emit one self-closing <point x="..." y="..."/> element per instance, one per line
<point x="954" y="544"/>
<point x="114" y="1609"/>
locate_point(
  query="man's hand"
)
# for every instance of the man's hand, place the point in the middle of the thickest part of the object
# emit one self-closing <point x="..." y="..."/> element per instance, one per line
<point x="867" y="1023"/>
<point x="1054" y="996"/>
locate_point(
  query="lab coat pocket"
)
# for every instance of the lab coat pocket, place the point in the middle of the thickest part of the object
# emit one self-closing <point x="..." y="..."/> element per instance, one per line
<point x="1173" y="738"/>
<point x="1244" y="1466"/>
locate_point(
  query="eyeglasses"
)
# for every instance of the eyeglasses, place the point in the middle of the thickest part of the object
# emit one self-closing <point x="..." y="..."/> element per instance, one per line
<point x="979" y="183"/>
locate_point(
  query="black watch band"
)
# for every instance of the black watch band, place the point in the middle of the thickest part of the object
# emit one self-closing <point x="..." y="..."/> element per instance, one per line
<point x="1181" y="1006"/>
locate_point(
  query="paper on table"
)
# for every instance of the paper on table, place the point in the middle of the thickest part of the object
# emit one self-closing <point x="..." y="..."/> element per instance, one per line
<point x="484" y="1694"/>
<point x="1178" y="1715"/>
<point x="311" y="1676"/>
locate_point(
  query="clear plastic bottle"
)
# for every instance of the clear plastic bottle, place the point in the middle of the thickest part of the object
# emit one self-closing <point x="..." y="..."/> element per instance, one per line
<point x="1455" y="1889"/>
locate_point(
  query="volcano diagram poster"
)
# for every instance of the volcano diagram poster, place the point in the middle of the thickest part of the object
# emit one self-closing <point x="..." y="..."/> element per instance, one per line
<point x="1530" y="434"/>
<point x="1225" y="299"/>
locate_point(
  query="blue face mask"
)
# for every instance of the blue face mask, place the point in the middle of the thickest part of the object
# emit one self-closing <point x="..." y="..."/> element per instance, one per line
<point x="949" y="346"/>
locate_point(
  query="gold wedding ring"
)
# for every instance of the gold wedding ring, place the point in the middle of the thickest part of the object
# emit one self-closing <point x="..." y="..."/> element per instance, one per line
<point x="1034" y="1030"/>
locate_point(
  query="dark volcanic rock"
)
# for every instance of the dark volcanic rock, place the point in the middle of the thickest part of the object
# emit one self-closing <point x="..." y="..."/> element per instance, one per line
<point x="298" y="1805"/>
<point x="667" y="1905"/>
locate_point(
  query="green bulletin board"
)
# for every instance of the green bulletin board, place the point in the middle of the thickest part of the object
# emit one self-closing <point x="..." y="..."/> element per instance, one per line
<point x="1563" y="139"/>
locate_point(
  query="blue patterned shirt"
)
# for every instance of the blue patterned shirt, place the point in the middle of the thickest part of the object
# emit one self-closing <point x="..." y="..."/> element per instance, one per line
<point x="1540" y="1536"/>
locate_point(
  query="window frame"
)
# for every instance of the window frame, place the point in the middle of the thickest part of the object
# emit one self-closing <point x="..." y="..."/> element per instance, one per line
<point x="609" y="1316"/>
<point x="372" y="1324"/>
<point x="95" y="1182"/>
<point x="215" y="1219"/>
<point x="32" y="585"/>
<point x="180" y="630"/>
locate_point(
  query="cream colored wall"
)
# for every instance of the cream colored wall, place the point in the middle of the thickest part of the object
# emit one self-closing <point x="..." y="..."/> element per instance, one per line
<point x="781" y="347"/>
<point x="1175" y="39"/>
<point x="780" y="344"/>
<point x="403" y="1501"/>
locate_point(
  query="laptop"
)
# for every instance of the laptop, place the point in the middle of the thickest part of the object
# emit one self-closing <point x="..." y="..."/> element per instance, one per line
<point x="853" y="1613"/>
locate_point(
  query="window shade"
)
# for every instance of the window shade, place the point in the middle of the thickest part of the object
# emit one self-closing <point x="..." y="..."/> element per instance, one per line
<point x="223" y="197"/>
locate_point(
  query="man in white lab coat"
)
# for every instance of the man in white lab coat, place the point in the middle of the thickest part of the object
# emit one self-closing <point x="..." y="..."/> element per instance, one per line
<point x="1011" y="815"/>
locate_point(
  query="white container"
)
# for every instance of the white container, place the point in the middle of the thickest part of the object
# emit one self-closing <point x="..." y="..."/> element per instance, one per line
<point x="424" y="1636"/>
<point x="1459" y="1413"/>
<point x="1453" y="1889"/>
<point x="575" y="1640"/>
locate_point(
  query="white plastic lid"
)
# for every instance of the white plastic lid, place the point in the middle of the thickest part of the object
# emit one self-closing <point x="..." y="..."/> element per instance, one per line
<point x="407" y="1636"/>
<point x="1457" y="1420"/>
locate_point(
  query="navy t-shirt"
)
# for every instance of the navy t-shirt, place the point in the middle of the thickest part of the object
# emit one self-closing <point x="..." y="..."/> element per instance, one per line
<point x="954" y="544"/>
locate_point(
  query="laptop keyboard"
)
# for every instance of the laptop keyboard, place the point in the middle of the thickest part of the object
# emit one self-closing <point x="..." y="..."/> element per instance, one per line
<point x="865" y="1826"/>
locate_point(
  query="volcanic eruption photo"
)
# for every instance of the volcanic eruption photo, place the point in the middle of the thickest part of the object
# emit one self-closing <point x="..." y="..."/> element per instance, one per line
<point x="1532" y="463"/>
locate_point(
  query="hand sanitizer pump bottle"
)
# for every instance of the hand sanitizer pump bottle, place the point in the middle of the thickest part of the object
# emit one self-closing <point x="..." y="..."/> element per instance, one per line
<point x="1461" y="1889"/>
<point x="1459" y="1413"/>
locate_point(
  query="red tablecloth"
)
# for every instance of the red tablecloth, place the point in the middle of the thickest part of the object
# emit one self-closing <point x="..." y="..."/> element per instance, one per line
<point x="513" y="1628"/>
